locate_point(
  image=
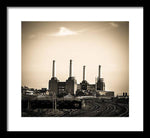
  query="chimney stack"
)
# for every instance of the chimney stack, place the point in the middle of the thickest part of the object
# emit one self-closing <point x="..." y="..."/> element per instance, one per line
<point x="70" y="73"/>
<point x="53" y="72"/>
<point x="99" y="71"/>
<point x="83" y="72"/>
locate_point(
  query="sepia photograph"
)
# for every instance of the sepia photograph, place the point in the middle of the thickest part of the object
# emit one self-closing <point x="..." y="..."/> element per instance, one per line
<point x="75" y="69"/>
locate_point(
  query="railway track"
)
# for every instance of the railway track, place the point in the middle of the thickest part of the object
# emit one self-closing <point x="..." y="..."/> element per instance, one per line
<point x="103" y="110"/>
<point x="126" y="111"/>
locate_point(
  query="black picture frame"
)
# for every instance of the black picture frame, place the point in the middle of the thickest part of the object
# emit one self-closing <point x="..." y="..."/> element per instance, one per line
<point x="107" y="3"/>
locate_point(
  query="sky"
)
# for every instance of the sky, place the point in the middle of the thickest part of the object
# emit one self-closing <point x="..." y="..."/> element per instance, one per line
<point x="86" y="43"/>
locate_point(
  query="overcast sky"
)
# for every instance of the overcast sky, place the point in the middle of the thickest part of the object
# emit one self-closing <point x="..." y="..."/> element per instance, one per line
<point x="86" y="43"/>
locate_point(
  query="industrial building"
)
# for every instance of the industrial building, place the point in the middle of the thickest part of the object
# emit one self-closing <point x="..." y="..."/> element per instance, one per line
<point x="71" y="83"/>
<point x="100" y="85"/>
<point x="70" y="86"/>
<point x="61" y="87"/>
<point x="84" y="83"/>
<point x="105" y="93"/>
<point x="53" y="83"/>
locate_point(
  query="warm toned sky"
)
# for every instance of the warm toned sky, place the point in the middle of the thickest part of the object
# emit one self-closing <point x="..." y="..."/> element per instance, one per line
<point x="86" y="43"/>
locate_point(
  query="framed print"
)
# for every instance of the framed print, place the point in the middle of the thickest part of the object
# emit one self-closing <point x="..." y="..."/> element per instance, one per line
<point x="70" y="68"/>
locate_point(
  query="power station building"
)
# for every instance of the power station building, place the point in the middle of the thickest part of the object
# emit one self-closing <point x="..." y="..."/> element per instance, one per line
<point x="100" y="85"/>
<point x="84" y="84"/>
<point x="71" y="83"/>
<point x="53" y="83"/>
<point x="70" y="86"/>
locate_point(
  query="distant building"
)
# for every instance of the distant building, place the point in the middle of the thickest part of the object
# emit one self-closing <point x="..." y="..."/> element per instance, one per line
<point x="124" y="95"/>
<point x="29" y="92"/>
<point x="53" y="83"/>
<point x="91" y="87"/>
<point x="105" y="93"/>
<point x="84" y="83"/>
<point x="44" y="89"/>
<point x="78" y="86"/>
<point x="71" y="83"/>
<point x="100" y="85"/>
<point x="70" y="86"/>
<point x="61" y="87"/>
